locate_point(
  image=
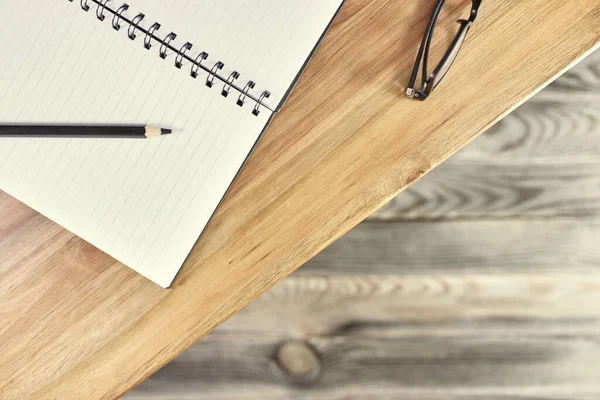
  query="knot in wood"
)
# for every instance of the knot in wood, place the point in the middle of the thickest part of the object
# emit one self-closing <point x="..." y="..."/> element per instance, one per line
<point x="299" y="361"/>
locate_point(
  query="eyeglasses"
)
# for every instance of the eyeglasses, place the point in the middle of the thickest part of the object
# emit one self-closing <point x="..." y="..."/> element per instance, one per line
<point x="430" y="82"/>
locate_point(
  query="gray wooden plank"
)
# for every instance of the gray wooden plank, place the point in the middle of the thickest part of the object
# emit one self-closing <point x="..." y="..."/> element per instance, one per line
<point x="481" y="189"/>
<point x="430" y="305"/>
<point x="435" y="337"/>
<point x="245" y="367"/>
<point x="368" y="394"/>
<point x="452" y="247"/>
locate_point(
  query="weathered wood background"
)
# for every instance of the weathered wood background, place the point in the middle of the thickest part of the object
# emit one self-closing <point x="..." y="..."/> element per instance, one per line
<point x="481" y="281"/>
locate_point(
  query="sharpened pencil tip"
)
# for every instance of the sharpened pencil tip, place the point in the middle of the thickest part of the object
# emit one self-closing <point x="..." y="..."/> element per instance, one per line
<point x="164" y="131"/>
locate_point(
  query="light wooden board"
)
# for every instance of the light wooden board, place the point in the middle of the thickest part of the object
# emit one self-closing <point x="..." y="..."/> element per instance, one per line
<point x="347" y="142"/>
<point x="527" y="171"/>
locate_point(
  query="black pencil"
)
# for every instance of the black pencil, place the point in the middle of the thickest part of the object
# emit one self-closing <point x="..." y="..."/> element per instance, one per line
<point x="82" y="131"/>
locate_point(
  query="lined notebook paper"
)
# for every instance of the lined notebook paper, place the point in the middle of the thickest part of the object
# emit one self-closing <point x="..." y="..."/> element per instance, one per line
<point x="145" y="202"/>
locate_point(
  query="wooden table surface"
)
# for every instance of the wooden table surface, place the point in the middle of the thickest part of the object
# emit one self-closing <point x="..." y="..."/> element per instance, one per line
<point x="77" y="324"/>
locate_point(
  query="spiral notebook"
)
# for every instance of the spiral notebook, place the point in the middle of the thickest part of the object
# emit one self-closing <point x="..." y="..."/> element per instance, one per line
<point x="214" y="71"/>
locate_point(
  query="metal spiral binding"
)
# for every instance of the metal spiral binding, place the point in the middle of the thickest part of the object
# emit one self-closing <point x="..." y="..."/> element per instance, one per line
<point x="133" y="24"/>
<point x="165" y="45"/>
<point x="149" y="35"/>
<point x="227" y="87"/>
<point x="213" y="72"/>
<point x="181" y="55"/>
<point x="117" y="16"/>
<point x="242" y="98"/>
<point x="197" y="63"/>
<point x="100" y="10"/>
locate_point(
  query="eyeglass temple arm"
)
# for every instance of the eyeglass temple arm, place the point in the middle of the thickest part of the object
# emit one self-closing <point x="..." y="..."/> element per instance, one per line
<point x="447" y="61"/>
<point x="424" y="48"/>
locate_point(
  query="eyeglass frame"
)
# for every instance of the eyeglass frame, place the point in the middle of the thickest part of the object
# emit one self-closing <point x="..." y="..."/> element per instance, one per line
<point x="428" y="84"/>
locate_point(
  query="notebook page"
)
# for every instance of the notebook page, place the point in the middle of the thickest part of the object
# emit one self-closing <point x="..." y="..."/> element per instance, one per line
<point x="143" y="201"/>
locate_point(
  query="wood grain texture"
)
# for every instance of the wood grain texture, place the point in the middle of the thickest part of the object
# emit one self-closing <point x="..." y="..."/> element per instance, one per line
<point x="586" y="77"/>
<point x="490" y="246"/>
<point x="346" y="143"/>
<point x="530" y="174"/>
<point x="542" y="160"/>
<point x="500" y="190"/>
<point x="552" y="367"/>
<point x="383" y="329"/>
<point x="552" y="126"/>
<point x="430" y="305"/>
<point x="560" y="122"/>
